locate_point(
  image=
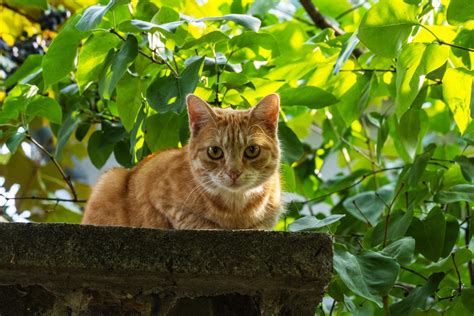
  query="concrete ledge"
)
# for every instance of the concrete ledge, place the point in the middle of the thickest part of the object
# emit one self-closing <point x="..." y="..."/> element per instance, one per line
<point x="79" y="269"/>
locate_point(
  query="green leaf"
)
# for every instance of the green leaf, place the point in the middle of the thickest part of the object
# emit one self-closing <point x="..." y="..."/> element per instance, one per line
<point x="129" y="100"/>
<point x="460" y="11"/>
<point x="392" y="18"/>
<point x="312" y="97"/>
<point x="122" y="154"/>
<point x="415" y="61"/>
<point x="45" y="107"/>
<point x="369" y="274"/>
<point x="397" y="228"/>
<point x="410" y="137"/>
<point x="254" y="41"/>
<point x="417" y="297"/>
<point x="117" y="67"/>
<point x="161" y="131"/>
<point x="292" y="149"/>
<point x="402" y="250"/>
<point x="461" y="256"/>
<point x="346" y="52"/>
<point x="209" y="38"/>
<point x="457" y="193"/>
<point x="92" y="57"/>
<point x="30" y="67"/>
<point x="59" y="60"/>
<point x="419" y="165"/>
<point x="16" y="102"/>
<point x="355" y="100"/>
<point x="99" y="149"/>
<point x="14" y="141"/>
<point x="451" y="235"/>
<point x="60" y="214"/>
<point x="169" y="93"/>
<point x="93" y="15"/>
<point x="429" y="234"/>
<point x="467" y="298"/>
<point x="312" y="223"/>
<point x="467" y="167"/>
<point x="457" y="86"/>
<point x="288" y="177"/>
<point x="368" y="206"/>
<point x="65" y="131"/>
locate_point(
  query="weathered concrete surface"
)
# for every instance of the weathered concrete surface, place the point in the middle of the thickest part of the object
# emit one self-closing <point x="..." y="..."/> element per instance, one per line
<point x="59" y="269"/>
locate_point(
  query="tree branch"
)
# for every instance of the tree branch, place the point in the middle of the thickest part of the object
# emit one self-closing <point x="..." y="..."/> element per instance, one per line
<point x="362" y="178"/>
<point x="57" y="200"/>
<point x="56" y="163"/>
<point x="320" y="21"/>
<point x="414" y="272"/>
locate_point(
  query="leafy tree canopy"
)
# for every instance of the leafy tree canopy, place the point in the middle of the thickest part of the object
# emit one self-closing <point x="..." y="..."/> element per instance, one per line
<point x="376" y="122"/>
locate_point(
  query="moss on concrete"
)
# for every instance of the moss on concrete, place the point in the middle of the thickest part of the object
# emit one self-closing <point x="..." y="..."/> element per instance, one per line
<point x="159" y="271"/>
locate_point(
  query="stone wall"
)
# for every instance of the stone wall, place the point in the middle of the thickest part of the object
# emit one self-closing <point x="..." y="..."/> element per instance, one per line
<point x="64" y="269"/>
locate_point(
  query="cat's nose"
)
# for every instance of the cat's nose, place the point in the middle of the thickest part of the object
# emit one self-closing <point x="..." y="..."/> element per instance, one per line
<point x="233" y="174"/>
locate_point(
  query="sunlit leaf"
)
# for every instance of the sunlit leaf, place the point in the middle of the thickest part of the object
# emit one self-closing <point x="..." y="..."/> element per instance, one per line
<point x="45" y="107"/>
<point x="457" y="85"/>
<point x="312" y="97"/>
<point x="460" y="11"/>
<point x="93" y="56"/>
<point x="59" y="61"/>
<point x="387" y="26"/>
<point x="118" y="64"/>
<point x="416" y="60"/>
<point x="169" y="93"/>
<point x="94" y="14"/>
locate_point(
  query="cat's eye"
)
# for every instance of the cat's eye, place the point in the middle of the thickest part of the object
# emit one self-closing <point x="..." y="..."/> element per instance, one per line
<point x="252" y="151"/>
<point x="215" y="152"/>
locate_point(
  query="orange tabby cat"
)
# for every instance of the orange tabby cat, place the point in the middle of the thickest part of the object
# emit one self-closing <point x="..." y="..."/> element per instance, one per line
<point x="226" y="178"/>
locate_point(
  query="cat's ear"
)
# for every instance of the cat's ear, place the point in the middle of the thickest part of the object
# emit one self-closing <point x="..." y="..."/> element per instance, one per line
<point x="266" y="112"/>
<point x="199" y="113"/>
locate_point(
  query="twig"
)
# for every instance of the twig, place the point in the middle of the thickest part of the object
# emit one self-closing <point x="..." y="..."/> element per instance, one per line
<point x="369" y="148"/>
<point x="57" y="200"/>
<point x="163" y="61"/>
<point x="218" y="74"/>
<point x="362" y="213"/>
<point x="363" y="177"/>
<point x="386" y="307"/>
<point x="387" y="218"/>
<point x="414" y="272"/>
<point x="441" y="42"/>
<point x="56" y="163"/>
<point x="320" y="21"/>
<point x="349" y="10"/>
<point x="332" y="307"/>
<point x="457" y="273"/>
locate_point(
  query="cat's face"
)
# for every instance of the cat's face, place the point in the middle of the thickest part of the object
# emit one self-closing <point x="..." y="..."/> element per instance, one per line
<point x="233" y="150"/>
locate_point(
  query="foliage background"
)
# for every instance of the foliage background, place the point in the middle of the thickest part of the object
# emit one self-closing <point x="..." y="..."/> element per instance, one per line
<point x="376" y="121"/>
